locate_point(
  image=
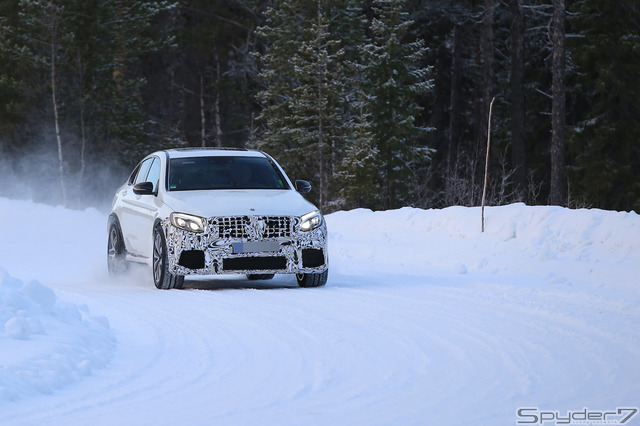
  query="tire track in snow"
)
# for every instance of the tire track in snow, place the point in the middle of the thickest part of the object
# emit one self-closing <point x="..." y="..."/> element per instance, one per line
<point x="361" y="350"/>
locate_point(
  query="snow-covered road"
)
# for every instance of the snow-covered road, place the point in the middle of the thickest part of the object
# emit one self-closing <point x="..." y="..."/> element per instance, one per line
<point x="424" y="321"/>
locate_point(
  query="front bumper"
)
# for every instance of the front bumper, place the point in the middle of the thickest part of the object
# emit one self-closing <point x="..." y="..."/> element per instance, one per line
<point x="247" y="245"/>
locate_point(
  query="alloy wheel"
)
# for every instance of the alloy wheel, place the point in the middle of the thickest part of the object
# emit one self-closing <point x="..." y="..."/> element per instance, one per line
<point x="158" y="257"/>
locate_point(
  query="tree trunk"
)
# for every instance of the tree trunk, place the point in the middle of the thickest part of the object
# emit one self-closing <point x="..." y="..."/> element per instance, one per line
<point x="558" y="193"/>
<point x="455" y="100"/>
<point x="518" y="154"/>
<point x="83" y="130"/>
<point x="320" y="102"/>
<point x="54" y="101"/>
<point x="216" y="106"/>
<point x="487" y="51"/>
<point x="192" y="116"/>
<point x="83" y="142"/>
<point x="203" y="117"/>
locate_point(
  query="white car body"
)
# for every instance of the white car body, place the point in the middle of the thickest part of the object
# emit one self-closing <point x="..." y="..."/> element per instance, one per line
<point x="185" y="225"/>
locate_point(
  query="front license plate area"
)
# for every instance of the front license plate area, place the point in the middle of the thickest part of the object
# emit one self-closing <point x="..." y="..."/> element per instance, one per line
<point x="256" y="247"/>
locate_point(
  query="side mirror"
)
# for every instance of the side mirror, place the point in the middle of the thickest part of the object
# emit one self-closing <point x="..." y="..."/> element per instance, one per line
<point x="302" y="186"/>
<point x="143" y="188"/>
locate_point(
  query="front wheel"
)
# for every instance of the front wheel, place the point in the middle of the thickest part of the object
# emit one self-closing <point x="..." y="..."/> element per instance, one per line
<point x="313" y="280"/>
<point x="162" y="278"/>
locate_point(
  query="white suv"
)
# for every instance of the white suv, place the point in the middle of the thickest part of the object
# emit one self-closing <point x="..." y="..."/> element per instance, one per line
<point x="212" y="211"/>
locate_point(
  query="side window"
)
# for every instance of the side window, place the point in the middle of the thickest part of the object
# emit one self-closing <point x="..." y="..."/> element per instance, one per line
<point x="144" y="170"/>
<point x="154" y="174"/>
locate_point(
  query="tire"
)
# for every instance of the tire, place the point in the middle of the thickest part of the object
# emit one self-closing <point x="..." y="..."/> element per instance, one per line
<point x="313" y="280"/>
<point x="255" y="277"/>
<point x="162" y="278"/>
<point x="116" y="252"/>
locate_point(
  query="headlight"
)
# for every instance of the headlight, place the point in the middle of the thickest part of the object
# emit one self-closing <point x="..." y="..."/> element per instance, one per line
<point x="310" y="221"/>
<point x="187" y="222"/>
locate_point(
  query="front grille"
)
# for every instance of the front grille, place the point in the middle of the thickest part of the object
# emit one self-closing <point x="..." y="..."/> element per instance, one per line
<point x="233" y="227"/>
<point x="253" y="227"/>
<point x="277" y="227"/>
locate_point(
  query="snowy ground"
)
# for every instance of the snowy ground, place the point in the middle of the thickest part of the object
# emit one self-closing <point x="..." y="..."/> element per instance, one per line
<point x="424" y="321"/>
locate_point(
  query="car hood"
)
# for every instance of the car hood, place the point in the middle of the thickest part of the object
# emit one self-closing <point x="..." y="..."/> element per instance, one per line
<point x="238" y="202"/>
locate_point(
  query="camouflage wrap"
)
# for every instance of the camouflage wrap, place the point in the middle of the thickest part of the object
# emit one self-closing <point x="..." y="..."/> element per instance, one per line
<point x="222" y="233"/>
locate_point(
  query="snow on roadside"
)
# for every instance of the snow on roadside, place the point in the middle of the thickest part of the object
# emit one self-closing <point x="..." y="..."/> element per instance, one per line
<point x="587" y="247"/>
<point x="46" y="343"/>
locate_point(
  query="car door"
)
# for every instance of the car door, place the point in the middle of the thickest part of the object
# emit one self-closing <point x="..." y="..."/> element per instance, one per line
<point x="140" y="211"/>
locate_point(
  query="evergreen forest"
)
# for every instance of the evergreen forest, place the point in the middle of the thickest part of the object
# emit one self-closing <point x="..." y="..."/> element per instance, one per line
<point x="379" y="104"/>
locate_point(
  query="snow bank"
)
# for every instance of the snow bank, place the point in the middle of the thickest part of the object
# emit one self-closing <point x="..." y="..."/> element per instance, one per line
<point x="558" y="244"/>
<point x="46" y="343"/>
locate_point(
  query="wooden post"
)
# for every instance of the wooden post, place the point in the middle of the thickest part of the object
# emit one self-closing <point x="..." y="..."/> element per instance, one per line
<point x="486" y="165"/>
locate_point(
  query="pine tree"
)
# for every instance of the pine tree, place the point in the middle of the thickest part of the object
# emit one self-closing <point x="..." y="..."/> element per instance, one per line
<point x="77" y="71"/>
<point x="210" y="73"/>
<point x="392" y="82"/>
<point x="281" y="32"/>
<point x="16" y="95"/>
<point x="603" y="146"/>
<point x="357" y="172"/>
<point x="308" y="88"/>
<point x="39" y="38"/>
<point x="317" y="101"/>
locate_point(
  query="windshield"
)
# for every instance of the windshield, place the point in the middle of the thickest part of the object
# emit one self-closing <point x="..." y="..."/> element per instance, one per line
<point x="195" y="173"/>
